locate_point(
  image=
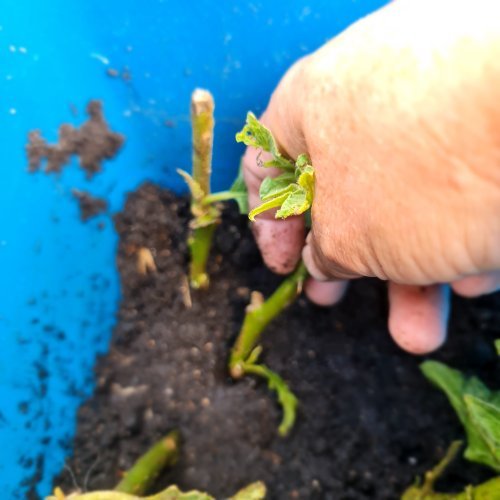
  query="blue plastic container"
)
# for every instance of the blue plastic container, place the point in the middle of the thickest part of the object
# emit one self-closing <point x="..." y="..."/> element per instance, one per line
<point x="60" y="287"/>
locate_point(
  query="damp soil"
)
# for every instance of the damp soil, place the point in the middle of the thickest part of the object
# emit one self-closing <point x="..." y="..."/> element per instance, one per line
<point x="368" y="421"/>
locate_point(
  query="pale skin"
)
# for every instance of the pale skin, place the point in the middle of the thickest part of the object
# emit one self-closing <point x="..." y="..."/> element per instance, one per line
<point x="400" y="115"/>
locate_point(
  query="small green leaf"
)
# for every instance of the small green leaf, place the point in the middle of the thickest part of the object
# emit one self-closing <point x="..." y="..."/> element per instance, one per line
<point x="256" y="135"/>
<point x="497" y="346"/>
<point x="286" y="398"/>
<point x="281" y="163"/>
<point x="275" y="186"/>
<point x="254" y="491"/>
<point x="292" y="191"/>
<point x="174" y="493"/>
<point x="303" y="161"/>
<point x="195" y="189"/>
<point x="240" y="192"/>
<point x="296" y="203"/>
<point x="306" y="180"/>
<point x="267" y="205"/>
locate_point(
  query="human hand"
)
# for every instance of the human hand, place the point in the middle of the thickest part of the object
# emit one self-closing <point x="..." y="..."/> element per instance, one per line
<point x="403" y="136"/>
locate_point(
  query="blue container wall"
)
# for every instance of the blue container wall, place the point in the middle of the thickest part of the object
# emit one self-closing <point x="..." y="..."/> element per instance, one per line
<point x="60" y="288"/>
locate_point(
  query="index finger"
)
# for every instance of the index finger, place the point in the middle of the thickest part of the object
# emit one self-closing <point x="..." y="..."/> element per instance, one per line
<point x="280" y="241"/>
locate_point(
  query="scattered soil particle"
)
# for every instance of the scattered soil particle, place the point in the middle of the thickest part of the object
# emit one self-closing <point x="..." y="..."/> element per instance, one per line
<point x="368" y="422"/>
<point x="113" y="73"/>
<point x="93" y="142"/>
<point x="90" y="206"/>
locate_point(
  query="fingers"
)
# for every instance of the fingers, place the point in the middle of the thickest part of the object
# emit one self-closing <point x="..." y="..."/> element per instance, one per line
<point x="280" y="241"/>
<point x="325" y="293"/>
<point x="321" y="268"/>
<point x="473" y="286"/>
<point x="418" y="316"/>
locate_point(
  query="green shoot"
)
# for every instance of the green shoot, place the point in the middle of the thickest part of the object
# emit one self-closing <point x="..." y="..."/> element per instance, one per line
<point x="204" y="208"/>
<point x="140" y="477"/>
<point x="245" y="353"/>
<point x="205" y="217"/>
<point x="260" y="313"/>
<point x="291" y="192"/>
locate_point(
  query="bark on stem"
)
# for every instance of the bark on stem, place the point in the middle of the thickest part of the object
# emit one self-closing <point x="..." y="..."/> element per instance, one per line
<point x="202" y="120"/>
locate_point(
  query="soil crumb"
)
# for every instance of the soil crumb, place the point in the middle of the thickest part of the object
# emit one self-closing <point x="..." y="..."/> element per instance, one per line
<point x="368" y="422"/>
<point x="93" y="142"/>
<point x="90" y="206"/>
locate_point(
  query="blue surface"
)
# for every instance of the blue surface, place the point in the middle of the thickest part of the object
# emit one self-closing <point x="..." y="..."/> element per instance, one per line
<point x="60" y="287"/>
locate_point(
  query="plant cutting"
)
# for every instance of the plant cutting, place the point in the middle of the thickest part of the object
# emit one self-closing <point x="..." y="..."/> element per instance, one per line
<point x="478" y="409"/>
<point x="290" y="193"/>
<point x="204" y="204"/>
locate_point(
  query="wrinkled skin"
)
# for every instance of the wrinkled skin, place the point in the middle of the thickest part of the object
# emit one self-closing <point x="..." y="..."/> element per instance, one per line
<point x="400" y="115"/>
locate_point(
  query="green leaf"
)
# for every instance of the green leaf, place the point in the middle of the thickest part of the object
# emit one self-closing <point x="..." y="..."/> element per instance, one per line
<point x="195" y="189"/>
<point x="286" y="398"/>
<point x="173" y="493"/>
<point x="306" y="180"/>
<point x="497" y="346"/>
<point x="486" y="418"/>
<point x="240" y="192"/>
<point x="292" y="191"/>
<point x="267" y="205"/>
<point x="296" y="203"/>
<point x="468" y="396"/>
<point x="275" y="186"/>
<point x="279" y="162"/>
<point x="254" y="491"/>
<point x="256" y="135"/>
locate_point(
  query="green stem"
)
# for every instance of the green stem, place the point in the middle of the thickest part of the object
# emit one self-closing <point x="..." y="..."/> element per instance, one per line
<point x="220" y="196"/>
<point x="142" y="474"/>
<point x="258" y="316"/>
<point x="199" y="243"/>
<point x="200" y="240"/>
<point x="486" y="491"/>
<point x="434" y="474"/>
